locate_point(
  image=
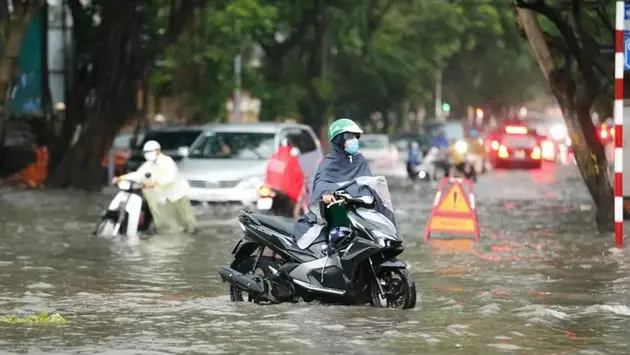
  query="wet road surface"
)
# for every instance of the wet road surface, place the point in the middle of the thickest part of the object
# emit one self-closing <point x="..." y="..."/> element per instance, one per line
<point x="540" y="281"/>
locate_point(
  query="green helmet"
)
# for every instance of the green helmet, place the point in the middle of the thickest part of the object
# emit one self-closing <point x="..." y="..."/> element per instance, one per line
<point x="342" y="125"/>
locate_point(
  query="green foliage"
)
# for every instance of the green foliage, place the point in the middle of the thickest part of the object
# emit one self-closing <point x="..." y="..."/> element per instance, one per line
<point x="42" y="318"/>
<point x="372" y="55"/>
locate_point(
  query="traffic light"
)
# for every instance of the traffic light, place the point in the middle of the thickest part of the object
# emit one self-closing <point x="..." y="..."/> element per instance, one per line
<point x="446" y="107"/>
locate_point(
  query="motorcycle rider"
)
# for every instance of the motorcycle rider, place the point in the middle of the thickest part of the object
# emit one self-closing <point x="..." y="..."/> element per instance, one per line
<point x="344" y="163"/>
<point x="285" y="176"/>
<point x="413" y="159"/>
<point x="441" y="143"/>
<point x="172" y="210"/>
<point x="476" y="151"/>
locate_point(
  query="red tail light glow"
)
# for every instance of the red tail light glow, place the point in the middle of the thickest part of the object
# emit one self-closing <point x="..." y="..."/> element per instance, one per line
<point x="503" y="152"/>
<point x="265" y="191"/>
<point x="535" y="153"/>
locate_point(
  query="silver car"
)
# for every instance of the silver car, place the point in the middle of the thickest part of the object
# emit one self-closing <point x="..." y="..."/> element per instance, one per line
<point x="227" y="163"/>
<point x="382" y="156"/>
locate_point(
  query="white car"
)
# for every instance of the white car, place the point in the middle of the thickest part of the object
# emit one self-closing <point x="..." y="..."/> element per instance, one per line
<point x="382" y="156"/>
<point x="227" y="163"/>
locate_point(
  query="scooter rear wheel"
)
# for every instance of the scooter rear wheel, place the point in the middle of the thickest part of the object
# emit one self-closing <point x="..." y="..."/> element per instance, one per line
<point x="245" y="267"/>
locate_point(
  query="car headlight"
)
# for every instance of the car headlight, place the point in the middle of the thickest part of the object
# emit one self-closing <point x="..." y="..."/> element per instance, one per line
<point x="558" y="132"/>
<point x="461" y="147"/>
<point x="384" y="240"/>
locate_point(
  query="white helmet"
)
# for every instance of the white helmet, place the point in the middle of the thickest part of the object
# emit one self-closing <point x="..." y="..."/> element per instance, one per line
<point x="151" y="146"/>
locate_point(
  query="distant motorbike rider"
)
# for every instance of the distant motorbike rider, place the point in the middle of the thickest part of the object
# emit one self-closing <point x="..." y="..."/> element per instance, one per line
<point x="165" y="191"/>
<point x="413" y="159"/>
<point x="457" y="160"/>
<point x="285" y="177"/>
<point x="442" y="161"/>
<point x="476" y="151"/>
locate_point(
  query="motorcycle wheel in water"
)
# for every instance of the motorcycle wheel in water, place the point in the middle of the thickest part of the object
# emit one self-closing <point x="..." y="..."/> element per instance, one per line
<point x="127" y="213"/>
<point x="271" y="267"/>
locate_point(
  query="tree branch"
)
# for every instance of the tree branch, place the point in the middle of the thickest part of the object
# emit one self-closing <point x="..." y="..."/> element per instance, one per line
<point x="600" y="10"/>
<point x="585" y="63"/>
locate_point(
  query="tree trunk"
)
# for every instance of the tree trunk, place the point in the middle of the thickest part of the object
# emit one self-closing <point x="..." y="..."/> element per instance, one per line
<point x="118" y="64"/>
<point x="588" y="150"/>
<point x="14" y="31"/>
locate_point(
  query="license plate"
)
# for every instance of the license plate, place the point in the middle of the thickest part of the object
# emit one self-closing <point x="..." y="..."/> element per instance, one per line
<point x="264" y="204"/>
<point x="520" y="154"/>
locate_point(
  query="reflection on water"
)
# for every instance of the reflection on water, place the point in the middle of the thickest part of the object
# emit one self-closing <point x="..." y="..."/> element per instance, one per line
<point x="539" y="282"/>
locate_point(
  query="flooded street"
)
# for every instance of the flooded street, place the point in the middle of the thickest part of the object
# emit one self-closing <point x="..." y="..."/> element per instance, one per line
<point x="540" y="281"/>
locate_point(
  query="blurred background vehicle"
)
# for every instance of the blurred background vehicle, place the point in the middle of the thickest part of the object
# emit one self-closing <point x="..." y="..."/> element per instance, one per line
<point x="175" y="142"/>
<point x="554" y="137"/>
<point x="228" y="162"/>
<point x="514" y="145"/>
<point x="382" y="156"/>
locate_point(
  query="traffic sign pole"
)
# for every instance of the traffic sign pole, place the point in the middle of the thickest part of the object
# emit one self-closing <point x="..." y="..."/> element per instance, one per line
<point x="622" y="63"/>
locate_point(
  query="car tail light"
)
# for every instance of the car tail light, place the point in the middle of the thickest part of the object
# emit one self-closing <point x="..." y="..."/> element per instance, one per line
<point x="535" y="153"/>
<point x="265" y="191"/>
<point x="603" y="133"/>
<point x="494" y="145"/>
<point x="516" y="130"/>
<point x="612" y="132"/>
<point x="548" y="149"/>
<point x="503" y="152"/>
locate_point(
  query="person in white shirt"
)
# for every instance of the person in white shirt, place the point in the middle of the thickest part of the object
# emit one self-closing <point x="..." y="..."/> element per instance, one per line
<point x="172" y="209"/>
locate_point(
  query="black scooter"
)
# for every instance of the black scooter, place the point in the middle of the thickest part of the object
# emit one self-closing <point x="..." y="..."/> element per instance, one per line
<point x="270" y="267"/>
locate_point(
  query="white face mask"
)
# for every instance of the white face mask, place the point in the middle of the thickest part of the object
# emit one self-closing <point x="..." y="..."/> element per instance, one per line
<point x="151" y="156"/>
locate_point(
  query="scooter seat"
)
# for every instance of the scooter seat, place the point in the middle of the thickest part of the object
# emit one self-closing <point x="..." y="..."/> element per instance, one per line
<point x="283" y="225"/>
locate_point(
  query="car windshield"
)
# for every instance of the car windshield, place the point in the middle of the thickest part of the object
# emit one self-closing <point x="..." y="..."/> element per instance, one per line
<point x="235" y="145"/>
<point x="122" y="141"/>
<point x="172" y="140"/>
<point x="368" y="142"/>
<point x="519" y="141"/>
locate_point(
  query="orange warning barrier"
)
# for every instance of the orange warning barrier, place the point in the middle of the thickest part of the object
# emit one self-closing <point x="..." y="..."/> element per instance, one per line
<point x="454" y="211"/>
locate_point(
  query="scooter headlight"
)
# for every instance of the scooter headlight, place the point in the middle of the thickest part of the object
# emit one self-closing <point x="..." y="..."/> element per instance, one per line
<point x="461" y="147"/>
<point x="422" y="174"/>
<point x="384" y="240"/>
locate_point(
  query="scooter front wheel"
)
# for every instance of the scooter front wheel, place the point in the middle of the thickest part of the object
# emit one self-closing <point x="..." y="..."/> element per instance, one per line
<point x="399" y="288"/>
<point x="105" y="228"/>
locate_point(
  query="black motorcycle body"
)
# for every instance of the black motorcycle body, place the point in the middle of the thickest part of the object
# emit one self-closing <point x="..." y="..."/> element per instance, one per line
<point x="361" y="268"/>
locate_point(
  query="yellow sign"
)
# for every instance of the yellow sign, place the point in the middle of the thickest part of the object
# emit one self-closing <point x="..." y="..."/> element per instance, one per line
<point x="455" y="224"/>
<point x="454" y="201"/>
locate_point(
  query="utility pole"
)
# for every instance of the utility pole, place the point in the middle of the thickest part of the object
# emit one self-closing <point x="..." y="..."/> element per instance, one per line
<point x="438" y="96"/>
<point x="237" y="77"/>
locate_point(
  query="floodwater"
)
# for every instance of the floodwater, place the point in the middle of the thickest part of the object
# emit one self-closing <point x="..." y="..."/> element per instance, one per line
<point x="540" y="281"/>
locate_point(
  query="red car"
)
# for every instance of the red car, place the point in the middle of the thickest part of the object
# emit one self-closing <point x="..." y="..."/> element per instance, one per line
<point x="514" y="145"/>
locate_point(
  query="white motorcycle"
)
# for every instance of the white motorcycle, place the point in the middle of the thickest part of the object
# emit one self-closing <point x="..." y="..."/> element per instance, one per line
<point x="127" y="213"/>
<point x="426" y="171"/>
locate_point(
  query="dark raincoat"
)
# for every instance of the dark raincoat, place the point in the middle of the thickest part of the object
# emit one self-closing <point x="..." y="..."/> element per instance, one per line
<point x="337" y="168"/>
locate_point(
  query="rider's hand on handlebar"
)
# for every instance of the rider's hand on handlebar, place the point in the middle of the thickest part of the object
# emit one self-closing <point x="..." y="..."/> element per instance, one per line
<point x="115" y="180"/>
<point x="328" y="199"/>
